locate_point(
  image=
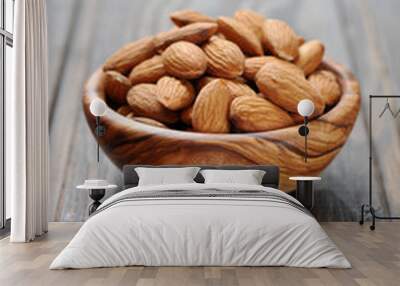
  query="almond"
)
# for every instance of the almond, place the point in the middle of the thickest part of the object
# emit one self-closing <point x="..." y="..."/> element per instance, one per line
<point x="297" y="118"/>
<point x="219" y="35"/>
<point x="148" y="71"/>
<point x="238" y="33"/>
<point x="211" y="108"/>
<point x="142" y="98"/>
<point x="238" y="88"/>
<point x="203" y="81"/>
<point x="224" y="58"/>
<point x="280" y="39"/>
<point x="252" y="20"/>
<point x="254" y="114"/>
<point x="130" y="55"/>
<point x="186" y="115"/>
<point x="124" y="110"/>
<point x="310" y="56"/>
<point x="196" y="33"/>
<point x="187" y="16"/>
<point x="326" y="83"/>
<point x="252" y="66"/>
<point x="175" y="94"/>
<point x="116" y="86"/>
<point x="149" y="121"/>
<point x="284" y="84"/>
<point x="184" y="60"/>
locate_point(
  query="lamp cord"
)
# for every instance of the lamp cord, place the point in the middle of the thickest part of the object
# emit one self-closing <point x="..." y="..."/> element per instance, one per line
<point x="305" y="143"/>
<point x="97" y="134"/>
<point x="305" y="138"/>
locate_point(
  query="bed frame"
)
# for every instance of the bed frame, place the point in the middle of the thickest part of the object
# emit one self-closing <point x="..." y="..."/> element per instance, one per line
<point x="271" y="177"/>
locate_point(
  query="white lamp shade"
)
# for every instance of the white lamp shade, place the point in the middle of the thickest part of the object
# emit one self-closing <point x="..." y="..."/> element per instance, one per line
<point x="305" y="107"/>
<point x="98" y="107"/>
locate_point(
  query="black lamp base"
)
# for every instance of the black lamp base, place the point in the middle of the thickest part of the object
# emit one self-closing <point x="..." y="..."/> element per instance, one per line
<point x="305" y="193"/>
<point x="96" y="195"/>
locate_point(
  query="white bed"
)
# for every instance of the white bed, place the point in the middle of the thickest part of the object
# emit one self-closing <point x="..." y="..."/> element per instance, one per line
<point x="184" y="230"/>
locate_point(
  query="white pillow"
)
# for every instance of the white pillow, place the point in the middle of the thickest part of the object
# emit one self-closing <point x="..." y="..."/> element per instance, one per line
<point x="165" y="176"/>
<point x="248" y="177"/>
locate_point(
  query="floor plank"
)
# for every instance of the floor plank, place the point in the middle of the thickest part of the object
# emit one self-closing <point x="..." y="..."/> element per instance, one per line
<point x="374" y="255"/>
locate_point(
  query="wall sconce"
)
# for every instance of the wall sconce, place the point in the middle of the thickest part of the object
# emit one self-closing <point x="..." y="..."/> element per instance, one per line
<point x="98" y="108"/>
<point x="97" y="188"/>
<point x="305" y="108"/>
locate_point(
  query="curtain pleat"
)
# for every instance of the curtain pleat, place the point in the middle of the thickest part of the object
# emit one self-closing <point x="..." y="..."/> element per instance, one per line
<point x="15" y="130"/>
<point x="45" y="119"/>
<point x="29" y="159"/>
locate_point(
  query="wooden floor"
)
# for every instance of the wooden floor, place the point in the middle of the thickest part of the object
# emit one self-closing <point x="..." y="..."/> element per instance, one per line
<point x="361" y="34"/>
<point x="375" y="257"/>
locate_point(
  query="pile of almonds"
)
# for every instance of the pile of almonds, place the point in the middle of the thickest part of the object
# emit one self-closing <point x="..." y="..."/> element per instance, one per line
<point x="231" y="74"/>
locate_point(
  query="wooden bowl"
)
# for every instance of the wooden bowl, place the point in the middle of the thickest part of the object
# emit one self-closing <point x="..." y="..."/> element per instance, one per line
<point x="130" y="142"/>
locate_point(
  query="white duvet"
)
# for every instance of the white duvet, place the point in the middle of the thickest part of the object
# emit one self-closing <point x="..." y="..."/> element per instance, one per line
<point x="200" y="231"/>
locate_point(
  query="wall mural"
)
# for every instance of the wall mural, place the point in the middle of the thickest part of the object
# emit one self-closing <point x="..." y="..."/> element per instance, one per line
<point x="191" y="96"/>
<point x="218" y="86"/>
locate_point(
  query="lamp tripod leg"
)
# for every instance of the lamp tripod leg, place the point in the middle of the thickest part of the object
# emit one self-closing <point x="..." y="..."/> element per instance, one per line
<point x="362" y="215"/>
<point x="372" y="210"/>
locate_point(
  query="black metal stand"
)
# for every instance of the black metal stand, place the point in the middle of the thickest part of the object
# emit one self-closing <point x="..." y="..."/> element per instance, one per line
<point x="100" y="131"/>
<point x="305" y="193"/>
<point x="96" y="195"/>
<point x="303" y="131"/>
<point x="369" y="207"/>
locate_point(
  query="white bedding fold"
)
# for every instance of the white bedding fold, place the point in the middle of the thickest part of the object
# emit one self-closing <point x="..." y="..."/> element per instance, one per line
<point x="200" y="231"/>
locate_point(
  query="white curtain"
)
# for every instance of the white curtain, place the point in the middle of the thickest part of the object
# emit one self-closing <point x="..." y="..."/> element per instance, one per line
<point x="27" y="123"/>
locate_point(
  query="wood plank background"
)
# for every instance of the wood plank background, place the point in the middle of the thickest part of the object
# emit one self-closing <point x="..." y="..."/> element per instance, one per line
<point x="362" y="34"/>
